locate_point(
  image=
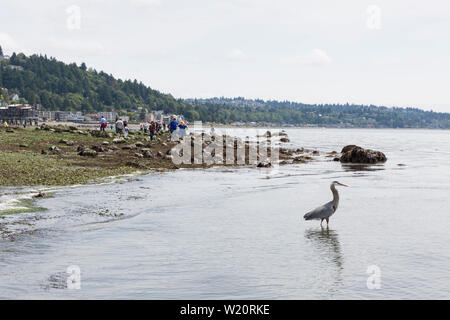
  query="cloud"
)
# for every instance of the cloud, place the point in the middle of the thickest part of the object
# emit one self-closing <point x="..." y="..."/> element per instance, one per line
<point x="8" y="43"/>
<point x="146" y="3"/>
<point x="236" y="55"/>
<point x="91" y="48"/>
<point x="315" y="57"/>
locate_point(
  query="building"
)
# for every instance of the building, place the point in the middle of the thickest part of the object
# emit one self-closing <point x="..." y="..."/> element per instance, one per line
<point x="47" y="115"/>
<point x="13" y="67"/>
<point x="109" y="116"/>
<point x="20" y="114"/>
<point x="91" y="117"/>
<point x="69" y="116"/>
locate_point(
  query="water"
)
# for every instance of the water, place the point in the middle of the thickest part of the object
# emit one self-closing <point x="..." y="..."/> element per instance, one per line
<point x="238" y="233"/>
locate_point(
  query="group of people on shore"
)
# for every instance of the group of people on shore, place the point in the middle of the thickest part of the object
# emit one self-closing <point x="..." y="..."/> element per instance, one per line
<point x="153" y="127"/>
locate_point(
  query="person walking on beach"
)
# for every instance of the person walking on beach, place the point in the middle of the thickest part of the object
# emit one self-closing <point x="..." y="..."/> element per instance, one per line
<point x="173" y="128"/>
<point x="152" y="130"/>
<point x="182" y="131"/>
<point x="125" y="129"/>
<point x="103" y="124"/>
<point x="119" y="127"/>
<point x="173" y="125"/>
<point x="145" y="127"/>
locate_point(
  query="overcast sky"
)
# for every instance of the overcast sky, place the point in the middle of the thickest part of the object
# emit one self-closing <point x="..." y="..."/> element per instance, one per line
<point x="394" y="53"/>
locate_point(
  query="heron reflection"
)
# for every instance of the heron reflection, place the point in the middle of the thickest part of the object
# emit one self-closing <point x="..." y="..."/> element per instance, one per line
<point x="327" y="245"/>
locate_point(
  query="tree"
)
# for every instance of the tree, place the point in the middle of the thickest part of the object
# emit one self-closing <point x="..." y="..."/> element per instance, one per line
<point x="1" y="51"/>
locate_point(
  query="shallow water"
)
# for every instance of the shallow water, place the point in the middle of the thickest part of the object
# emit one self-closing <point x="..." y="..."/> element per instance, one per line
<point x="238" y="233"/>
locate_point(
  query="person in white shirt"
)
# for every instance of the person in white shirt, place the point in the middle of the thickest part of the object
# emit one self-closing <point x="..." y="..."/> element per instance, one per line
<point x="119" y="127"/>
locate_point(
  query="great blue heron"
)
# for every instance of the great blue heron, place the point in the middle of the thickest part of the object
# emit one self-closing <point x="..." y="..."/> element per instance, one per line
<point x="327" y="210"/>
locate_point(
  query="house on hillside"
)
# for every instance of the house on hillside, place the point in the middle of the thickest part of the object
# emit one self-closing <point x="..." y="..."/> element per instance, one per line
<point x="13" y="67"/>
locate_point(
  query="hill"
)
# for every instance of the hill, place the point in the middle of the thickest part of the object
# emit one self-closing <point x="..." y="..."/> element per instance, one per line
<point x="325" y="115"/>
<point x="60" y="86"/>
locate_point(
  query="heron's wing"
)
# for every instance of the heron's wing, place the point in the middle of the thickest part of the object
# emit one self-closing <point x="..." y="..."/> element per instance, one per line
<point x="321" y="212"/>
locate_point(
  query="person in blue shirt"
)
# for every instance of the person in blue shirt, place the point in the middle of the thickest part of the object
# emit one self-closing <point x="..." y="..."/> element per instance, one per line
<point x="103" y="124"/>
<point x="173" y="125"/>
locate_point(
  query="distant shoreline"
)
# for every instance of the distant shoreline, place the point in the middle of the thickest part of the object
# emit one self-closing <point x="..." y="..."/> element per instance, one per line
<point x="207" y="126"/>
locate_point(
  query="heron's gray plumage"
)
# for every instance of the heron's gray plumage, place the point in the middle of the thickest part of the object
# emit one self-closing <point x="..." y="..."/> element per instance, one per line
<point x="327" y="210"/>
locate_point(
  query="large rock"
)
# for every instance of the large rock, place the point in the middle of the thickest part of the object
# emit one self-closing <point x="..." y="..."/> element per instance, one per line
<point x="98" y="148"/>
<point x="147" y="153"/>
<point x="119" y="140"/>
<point x="88" y="153"/>
<point x="102" y="134"/>
<point x="356" y="154"/>
<point x="348" y="148"/>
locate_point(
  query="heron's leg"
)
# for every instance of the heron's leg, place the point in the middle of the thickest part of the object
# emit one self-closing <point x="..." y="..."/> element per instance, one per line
<point x="321" y="220"/>
<point x="328" y="219"/>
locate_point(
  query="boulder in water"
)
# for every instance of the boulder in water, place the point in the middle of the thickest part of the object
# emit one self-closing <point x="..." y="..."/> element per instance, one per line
<point x="356" y="154"/>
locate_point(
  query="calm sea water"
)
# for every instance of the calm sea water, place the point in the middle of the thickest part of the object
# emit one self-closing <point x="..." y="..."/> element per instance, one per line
<point x="239" y="234"/>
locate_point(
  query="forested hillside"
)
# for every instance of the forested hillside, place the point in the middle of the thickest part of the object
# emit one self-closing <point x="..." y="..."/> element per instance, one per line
<point x="326" y="115"/>
<point x="59" y="86"/>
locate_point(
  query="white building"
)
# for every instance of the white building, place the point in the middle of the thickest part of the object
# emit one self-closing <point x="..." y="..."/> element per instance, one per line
<point x="109" y="116"/>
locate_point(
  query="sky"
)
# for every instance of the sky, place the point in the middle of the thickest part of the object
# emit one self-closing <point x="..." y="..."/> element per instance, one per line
<point x="391" y="53"/>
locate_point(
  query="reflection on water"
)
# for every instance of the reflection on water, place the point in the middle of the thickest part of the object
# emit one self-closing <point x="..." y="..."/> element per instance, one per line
<point x="326" y="243"/>
<point x="362" y="167"/>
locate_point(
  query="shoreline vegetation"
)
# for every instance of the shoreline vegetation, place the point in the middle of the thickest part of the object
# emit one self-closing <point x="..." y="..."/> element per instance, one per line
<point x="67" y="155"/>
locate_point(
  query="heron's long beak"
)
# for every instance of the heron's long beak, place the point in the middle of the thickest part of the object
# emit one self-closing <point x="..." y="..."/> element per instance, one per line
<point x="344" y="185"/>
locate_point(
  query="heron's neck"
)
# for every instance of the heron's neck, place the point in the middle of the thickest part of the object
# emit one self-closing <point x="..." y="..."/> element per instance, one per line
<point x="335" y="194"/>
